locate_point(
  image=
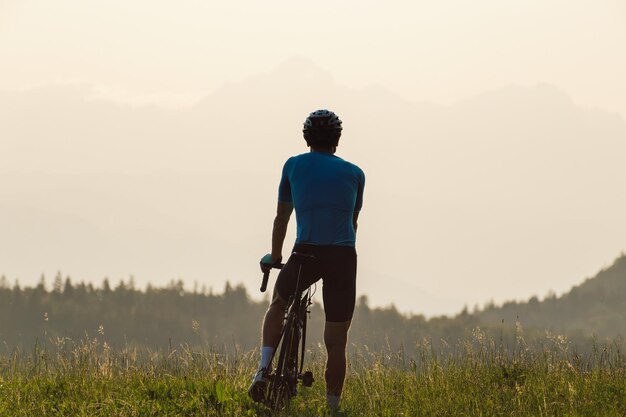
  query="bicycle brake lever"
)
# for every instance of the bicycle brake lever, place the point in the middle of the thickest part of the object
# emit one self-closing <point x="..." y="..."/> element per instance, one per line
<point x="266" y="274"/>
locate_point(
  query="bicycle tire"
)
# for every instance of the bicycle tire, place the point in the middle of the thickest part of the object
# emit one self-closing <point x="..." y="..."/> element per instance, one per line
<point x="276" y="391"/>
<point x="283" y="384"/>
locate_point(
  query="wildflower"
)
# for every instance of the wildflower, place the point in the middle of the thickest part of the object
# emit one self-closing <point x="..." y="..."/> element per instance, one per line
<point x="478" y="335"/>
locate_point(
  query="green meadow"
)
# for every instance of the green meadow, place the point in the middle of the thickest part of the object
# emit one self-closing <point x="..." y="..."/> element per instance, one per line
<point x="477" y="377"/>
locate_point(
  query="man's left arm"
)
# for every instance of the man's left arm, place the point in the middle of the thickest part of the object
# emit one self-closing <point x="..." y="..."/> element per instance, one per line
<point x="359" y="200"/>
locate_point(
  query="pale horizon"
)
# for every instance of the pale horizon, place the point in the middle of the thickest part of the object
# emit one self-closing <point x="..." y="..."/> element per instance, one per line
<point x="436" y="52"/>
<point x="146" y="139"/>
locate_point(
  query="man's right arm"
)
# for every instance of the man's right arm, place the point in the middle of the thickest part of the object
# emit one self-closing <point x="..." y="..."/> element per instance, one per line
<point x="355" y="217"/>
<point x="283" y="213"/>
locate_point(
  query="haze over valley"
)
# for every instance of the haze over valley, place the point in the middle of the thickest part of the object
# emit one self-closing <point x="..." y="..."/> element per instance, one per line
<point x="502" y="195"/>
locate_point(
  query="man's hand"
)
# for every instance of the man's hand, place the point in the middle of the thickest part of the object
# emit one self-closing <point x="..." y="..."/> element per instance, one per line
<point x="267" y="261"/>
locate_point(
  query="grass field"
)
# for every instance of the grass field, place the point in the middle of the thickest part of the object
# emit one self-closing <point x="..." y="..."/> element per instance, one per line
<point x="475" y="378"/>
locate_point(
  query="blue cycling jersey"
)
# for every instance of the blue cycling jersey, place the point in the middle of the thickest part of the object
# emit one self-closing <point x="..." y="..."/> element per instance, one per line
<point x="325" y="191"/>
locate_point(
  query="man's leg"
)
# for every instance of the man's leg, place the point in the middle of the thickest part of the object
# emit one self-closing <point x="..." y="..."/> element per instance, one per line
<point x="273" y="322"/>
<point x="339" y="293"/>
<point x="335" y="338"/>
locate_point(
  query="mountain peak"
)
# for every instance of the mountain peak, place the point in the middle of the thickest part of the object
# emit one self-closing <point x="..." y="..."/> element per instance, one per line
<point x="298" y="67"/>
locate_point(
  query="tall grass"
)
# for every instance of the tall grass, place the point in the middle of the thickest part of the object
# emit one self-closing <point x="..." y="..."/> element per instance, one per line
<point x="474" y="377"/>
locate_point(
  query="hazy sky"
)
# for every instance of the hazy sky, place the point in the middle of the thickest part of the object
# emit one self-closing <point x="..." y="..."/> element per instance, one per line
<point x="424" y="50"/>
<point x="491" y="132"/>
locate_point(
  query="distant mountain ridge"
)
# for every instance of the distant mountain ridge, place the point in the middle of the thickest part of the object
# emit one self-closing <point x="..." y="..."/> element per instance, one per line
<point x="595" y="307"/>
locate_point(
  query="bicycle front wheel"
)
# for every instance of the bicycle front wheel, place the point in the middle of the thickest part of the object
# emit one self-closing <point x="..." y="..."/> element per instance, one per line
<point x="283" y="385"/>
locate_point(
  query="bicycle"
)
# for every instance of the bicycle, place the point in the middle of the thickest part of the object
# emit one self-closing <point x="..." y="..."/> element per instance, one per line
<point x="283" y="381"/>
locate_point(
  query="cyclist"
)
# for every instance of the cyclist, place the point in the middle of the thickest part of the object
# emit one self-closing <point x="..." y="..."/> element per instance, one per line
<point x="327" y="193"/>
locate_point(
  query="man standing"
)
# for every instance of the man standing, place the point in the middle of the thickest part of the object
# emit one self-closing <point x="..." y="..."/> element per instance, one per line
<point x="327" y="194"/>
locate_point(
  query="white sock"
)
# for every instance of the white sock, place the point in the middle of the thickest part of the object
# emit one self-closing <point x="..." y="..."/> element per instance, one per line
<point x="332" y="401"/>
<point x="266" y="356"/>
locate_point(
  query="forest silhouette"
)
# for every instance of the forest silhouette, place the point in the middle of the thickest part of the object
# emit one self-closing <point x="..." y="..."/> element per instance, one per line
<point x="163" y="318"/>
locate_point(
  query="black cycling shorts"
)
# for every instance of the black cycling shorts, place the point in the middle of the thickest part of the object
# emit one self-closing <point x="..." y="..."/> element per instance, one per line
<point x="336" y="266"/>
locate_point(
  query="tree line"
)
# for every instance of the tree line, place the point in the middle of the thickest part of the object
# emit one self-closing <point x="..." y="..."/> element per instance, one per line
<point x="160" y="318"/>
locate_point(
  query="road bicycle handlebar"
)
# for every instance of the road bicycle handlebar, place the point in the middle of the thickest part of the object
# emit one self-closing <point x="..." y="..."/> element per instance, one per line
<point x="266" y="274"/>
